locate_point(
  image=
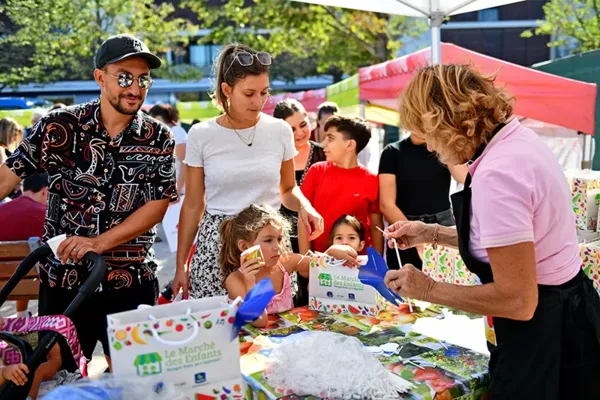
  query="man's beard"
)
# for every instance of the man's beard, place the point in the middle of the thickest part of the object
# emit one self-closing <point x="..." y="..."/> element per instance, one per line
<point x="117" y="105"/>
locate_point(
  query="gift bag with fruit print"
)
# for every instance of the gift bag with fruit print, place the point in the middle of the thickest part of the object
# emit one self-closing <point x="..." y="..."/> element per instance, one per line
<point x="585" y="196"/>
<point x="190" y="344"/>
<point x="590" y="256"/>
<point x="337" y="289"/>
<point x="444" y="264"/>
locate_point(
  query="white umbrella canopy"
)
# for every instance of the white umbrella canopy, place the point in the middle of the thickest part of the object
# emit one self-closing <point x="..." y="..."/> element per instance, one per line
<point x="434" y="10"/>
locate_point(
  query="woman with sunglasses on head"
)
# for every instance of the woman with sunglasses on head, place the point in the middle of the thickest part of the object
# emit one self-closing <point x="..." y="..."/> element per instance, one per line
<point x="240" y="158"/>
<point x="308" y="153"/>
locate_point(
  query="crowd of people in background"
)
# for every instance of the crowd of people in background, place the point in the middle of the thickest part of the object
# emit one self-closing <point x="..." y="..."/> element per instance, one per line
<point x="319" y="168"/>
<point x="330" y="156"/>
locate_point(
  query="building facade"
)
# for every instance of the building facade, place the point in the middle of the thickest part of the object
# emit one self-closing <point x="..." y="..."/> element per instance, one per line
<point x="496" y="32"/>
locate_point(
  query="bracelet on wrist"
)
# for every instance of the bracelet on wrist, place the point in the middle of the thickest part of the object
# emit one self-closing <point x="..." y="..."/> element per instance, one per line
<point x="435" y="238"/>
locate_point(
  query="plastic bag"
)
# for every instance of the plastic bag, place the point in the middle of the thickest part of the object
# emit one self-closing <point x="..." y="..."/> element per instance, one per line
<point x="110" y="388"/>
<point x="333" y="366"/>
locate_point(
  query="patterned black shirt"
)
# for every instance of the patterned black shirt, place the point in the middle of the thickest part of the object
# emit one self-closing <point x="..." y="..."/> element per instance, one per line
<point x="96" y="183"/>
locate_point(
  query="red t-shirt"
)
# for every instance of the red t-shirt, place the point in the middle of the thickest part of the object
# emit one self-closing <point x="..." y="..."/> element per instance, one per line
<point x="335" y="191"/>
<point x="21" y="219"/>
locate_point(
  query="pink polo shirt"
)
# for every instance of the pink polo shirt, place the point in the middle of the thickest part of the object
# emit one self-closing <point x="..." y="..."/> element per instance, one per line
<point x="521" y="194"/>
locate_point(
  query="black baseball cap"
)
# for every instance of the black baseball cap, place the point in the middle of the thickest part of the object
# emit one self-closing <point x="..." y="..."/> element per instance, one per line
<point x="120" y="47"/>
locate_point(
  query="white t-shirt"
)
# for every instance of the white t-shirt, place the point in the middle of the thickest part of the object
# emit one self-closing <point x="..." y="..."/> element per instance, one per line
<point x="235" y="174"/>
<point x="180" y="136"/>
<point x="364" y="157"/>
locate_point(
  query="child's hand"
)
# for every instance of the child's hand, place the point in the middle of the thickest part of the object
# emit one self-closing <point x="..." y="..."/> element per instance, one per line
<point x="250" y="268"/>
<point x="16" y="373"/>
<point x="344" y="252"/>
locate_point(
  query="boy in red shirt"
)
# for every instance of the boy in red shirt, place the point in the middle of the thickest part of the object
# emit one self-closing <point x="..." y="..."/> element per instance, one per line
<point x="341" y="185"/>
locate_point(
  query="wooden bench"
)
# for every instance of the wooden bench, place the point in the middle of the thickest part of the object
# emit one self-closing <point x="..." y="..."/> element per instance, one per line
<point x="11" y="255"/>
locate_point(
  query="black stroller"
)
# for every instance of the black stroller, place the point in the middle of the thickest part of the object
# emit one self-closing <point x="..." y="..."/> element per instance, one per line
<point x="33" y="358"/>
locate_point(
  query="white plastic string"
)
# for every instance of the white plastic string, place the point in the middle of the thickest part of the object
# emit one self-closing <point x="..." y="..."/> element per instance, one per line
<point x="385" y="236"/>
<point x="337" y="367"/>
<point x="309" y="253"/>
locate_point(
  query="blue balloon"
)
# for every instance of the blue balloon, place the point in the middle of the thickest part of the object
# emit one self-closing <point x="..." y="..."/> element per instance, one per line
<point x="373" y="274"/>
<point x="255" y="303"/>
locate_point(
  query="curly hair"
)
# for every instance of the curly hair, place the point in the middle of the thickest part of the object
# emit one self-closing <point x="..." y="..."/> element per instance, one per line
<point x="455" y="108"/>
<point x="246" y="226"/>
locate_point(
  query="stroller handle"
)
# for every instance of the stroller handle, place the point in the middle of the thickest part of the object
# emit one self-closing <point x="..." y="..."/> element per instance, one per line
<point x="98" y="269"/>
<point x="97" y="275"/>
<point x="49" y="338"/>
<point x="91" y="283"/>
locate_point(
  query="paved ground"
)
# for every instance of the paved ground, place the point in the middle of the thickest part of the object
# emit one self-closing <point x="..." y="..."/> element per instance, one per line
<point x="166" y="269"/>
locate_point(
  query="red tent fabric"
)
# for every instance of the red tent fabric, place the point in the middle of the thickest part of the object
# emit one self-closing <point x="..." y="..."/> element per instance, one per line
<point x="310" y="99"/>
<point x="539" y="95"/>
<point x="272" y="102"/>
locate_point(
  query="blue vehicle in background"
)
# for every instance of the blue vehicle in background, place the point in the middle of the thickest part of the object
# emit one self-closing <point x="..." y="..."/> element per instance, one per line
<point x="20" y="103"/>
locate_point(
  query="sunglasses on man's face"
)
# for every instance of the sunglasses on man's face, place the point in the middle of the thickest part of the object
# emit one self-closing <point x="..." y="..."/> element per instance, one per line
<point x="247" y="59"/>
<point x="125" y="79"/>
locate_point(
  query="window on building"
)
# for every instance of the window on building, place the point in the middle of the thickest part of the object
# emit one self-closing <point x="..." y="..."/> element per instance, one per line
<point x="179" y="56"/>
<point x="489" y="14"/>
<point x="203" y="55"/>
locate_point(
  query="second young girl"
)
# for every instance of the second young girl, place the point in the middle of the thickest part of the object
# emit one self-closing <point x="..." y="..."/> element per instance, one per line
<point x="348" y="231"/>
<point x="265" y="227"/>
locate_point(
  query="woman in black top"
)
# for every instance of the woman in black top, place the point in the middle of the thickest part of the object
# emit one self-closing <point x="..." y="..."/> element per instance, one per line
<point x="309" y="152"/>
<point x="414" y="186"/>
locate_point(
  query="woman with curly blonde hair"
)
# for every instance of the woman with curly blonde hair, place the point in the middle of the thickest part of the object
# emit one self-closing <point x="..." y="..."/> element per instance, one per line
<point x="515" y="230"/>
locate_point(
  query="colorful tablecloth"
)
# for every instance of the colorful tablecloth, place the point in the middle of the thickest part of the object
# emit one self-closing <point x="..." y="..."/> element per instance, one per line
<point x="447" y="371"/>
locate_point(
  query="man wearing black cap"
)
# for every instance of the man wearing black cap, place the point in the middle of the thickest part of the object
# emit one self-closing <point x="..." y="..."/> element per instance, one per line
<point x="111" y="177"/>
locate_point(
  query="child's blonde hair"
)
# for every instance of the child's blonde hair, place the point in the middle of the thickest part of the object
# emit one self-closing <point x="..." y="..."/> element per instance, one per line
<point x="246" y="226"/>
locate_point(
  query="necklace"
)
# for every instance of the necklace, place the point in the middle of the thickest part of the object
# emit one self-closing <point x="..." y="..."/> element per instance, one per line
<point x="247" y="141"/>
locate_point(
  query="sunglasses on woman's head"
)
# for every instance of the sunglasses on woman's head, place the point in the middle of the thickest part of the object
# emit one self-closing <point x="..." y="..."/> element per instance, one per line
<point x="125" y="79"/>
<point x="246" y="59"/>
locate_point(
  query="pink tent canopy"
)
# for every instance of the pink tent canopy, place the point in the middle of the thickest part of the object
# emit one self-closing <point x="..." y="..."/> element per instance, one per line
<point x="272" y="102"/>
<point x="310" y="99"/>
<point x="539" y="95"/>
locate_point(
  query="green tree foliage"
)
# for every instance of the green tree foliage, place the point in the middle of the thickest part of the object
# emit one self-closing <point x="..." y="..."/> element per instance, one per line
<point x="330" y="39"/>
<point x="572" y="23"/>
<point x="56" y="39"/>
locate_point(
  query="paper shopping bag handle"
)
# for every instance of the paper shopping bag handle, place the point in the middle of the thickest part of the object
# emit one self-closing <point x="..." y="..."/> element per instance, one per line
<point x="195" y="331"/>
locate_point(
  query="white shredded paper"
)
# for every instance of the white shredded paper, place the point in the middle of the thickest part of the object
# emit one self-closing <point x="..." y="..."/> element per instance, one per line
<point x="331" y="365"/>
